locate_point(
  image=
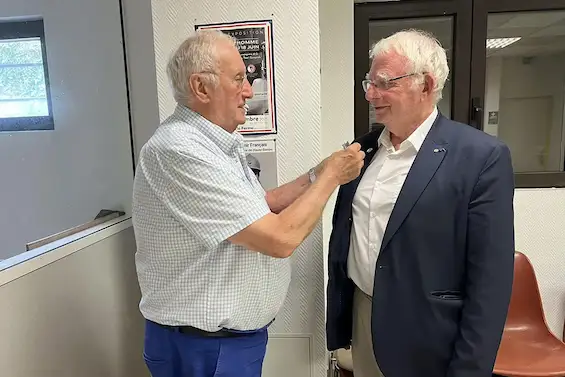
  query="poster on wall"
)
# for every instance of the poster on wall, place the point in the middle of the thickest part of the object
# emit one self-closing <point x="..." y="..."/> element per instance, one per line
<point x="262" y="159"/>
<point x="255" y="44"/>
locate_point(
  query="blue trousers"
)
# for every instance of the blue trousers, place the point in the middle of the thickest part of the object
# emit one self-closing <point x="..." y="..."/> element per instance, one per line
<point x="170" y="353"/>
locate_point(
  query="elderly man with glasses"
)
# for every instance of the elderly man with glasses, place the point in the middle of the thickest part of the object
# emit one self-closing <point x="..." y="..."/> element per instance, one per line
<point x="213" y="246"/>
<point x="422" y="246"/>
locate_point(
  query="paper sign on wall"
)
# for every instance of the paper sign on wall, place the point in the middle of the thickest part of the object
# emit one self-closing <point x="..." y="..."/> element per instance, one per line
<point x="255" y="44"/>
<point x="262" y="159"/>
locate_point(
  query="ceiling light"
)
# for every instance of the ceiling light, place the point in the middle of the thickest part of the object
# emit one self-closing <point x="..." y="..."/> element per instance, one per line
<point x="494" y="43"/>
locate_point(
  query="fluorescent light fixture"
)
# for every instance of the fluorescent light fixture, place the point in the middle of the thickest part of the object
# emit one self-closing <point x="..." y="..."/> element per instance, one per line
<point x="494" y="43"/>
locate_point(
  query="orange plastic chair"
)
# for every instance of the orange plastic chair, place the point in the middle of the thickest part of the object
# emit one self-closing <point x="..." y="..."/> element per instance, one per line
<point x="528" y="348"/>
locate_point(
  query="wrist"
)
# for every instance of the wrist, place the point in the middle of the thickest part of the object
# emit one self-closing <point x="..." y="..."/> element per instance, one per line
<point x="328" y="177"/>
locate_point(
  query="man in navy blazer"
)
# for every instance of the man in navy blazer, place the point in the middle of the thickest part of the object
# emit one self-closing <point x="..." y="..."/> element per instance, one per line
<point x="421" y="253"/>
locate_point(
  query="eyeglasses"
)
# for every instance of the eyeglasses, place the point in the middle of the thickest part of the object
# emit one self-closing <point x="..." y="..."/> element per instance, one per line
<point x="239" y="79"/>
<point x="382" y="83"/>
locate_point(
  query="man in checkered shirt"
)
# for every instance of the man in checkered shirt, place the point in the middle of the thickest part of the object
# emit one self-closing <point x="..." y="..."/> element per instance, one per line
<point x="212" y="245"/>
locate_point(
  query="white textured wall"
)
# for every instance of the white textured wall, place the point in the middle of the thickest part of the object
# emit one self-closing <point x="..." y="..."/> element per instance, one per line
<point x="299" y="140"/>
<point x="540" y="221"/>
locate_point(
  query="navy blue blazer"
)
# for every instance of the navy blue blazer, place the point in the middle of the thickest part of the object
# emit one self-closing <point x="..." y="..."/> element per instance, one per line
<point x="444" y="274"/>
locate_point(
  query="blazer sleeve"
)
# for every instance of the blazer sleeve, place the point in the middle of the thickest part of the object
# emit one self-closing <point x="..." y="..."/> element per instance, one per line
<point x="489" y="268"/>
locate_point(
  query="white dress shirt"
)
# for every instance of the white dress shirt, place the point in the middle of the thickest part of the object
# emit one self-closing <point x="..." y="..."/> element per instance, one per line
<point x="375" y="198"/>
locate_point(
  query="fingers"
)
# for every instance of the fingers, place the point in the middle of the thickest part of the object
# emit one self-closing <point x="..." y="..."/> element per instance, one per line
<point x="355" y="147"/>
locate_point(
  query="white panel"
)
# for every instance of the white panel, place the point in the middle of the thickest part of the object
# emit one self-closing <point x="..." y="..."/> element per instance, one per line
<point x="297" y="75"/>
<point x="337" y="86"/>
<point x="77" y="317"/>
<point x="540" y="220"/>
<point x="288" y="356"/>
<point x="141" y="70"/>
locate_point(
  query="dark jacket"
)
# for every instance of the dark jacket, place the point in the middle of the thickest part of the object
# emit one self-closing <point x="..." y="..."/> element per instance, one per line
<point x="444" y="274"/>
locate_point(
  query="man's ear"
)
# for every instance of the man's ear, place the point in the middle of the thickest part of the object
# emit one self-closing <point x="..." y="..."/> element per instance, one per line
<point x="429" y="84"/>
<point x="199" y="88"/>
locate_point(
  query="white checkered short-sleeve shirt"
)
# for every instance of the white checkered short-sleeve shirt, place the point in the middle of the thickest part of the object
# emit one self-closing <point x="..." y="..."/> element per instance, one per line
<point x="193" y="190"/>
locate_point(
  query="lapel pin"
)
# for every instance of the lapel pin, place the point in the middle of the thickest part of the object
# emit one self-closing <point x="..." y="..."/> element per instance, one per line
<point x="439" y="150"/>
<point x="369" y="150"/>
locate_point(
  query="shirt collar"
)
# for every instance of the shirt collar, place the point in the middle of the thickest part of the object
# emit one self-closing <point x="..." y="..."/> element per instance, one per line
<point x="416" y="139"/>
<point x="225" y="140"/>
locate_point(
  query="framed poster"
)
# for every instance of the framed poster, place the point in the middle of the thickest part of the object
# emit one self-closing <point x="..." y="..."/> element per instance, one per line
<point x="255" y="44"/>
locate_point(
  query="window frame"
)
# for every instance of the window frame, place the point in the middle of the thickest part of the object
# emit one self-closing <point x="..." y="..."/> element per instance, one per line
<point x="469" y="64"/>
<point x="481" y="10"/>
<point x="458" y="10"/>
<point x="29" y="29"/>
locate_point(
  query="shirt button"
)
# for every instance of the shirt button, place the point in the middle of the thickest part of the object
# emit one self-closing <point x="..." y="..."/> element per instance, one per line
<point x="373" y="214"/>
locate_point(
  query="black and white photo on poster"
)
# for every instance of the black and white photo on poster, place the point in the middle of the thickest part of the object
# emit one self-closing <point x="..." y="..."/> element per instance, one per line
<point x="262" y="160"/>
<point x="255" y="44"/>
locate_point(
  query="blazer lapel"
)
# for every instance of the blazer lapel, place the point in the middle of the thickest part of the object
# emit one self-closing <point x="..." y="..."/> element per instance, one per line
<point x="426" y="163"/>
<point x="369" y="146"/>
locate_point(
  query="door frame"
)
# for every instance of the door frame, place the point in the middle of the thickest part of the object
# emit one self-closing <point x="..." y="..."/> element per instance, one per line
<point x="460" y="10"/>
<point x="481" y="10"/>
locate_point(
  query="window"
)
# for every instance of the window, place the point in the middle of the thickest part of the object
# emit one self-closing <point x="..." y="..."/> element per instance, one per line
<point x="524" y="101"/>
<point x="24" y="86"/>
<point x="507" y="59"/>
<point x="75" y="179"/>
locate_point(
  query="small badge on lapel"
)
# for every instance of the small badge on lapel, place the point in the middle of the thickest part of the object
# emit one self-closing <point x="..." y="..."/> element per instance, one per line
<point x="437" y="150"/>
<point x="369" y="150"/>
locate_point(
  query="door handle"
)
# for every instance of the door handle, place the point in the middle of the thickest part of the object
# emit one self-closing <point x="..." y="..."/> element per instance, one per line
<point x="476" y="112"/>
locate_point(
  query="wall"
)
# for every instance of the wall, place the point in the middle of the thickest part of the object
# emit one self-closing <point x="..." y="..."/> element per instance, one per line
<point x="524" y="80"/>
<point x="53" y="180"/>
<point x="541" y="82"/>
<point x="336" y="92"/>
<point x="75" y="317"/>
<point x="539" y="221"/>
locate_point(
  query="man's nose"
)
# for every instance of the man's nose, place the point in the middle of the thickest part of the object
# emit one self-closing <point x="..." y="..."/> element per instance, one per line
<point x="247" y="90"/>
<point x="372" y="93"/>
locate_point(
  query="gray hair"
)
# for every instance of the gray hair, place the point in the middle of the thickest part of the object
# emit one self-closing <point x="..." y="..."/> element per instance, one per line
<point x="423" y="51"/>
<point x="197" y="54"/>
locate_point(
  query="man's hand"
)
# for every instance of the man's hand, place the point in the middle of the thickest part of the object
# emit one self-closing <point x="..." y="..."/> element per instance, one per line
<point x="283" y="196"/>
<point x="344" y="165"/>
<point x="278" y="235"/>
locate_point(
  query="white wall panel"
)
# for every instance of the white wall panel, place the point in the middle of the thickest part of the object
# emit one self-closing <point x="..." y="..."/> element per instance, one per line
<point x="540" y="224"/>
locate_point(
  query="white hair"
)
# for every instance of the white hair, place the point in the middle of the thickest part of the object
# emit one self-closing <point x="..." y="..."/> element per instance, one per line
<point x="197" y="54"/>
<point x="423" y="52"/>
